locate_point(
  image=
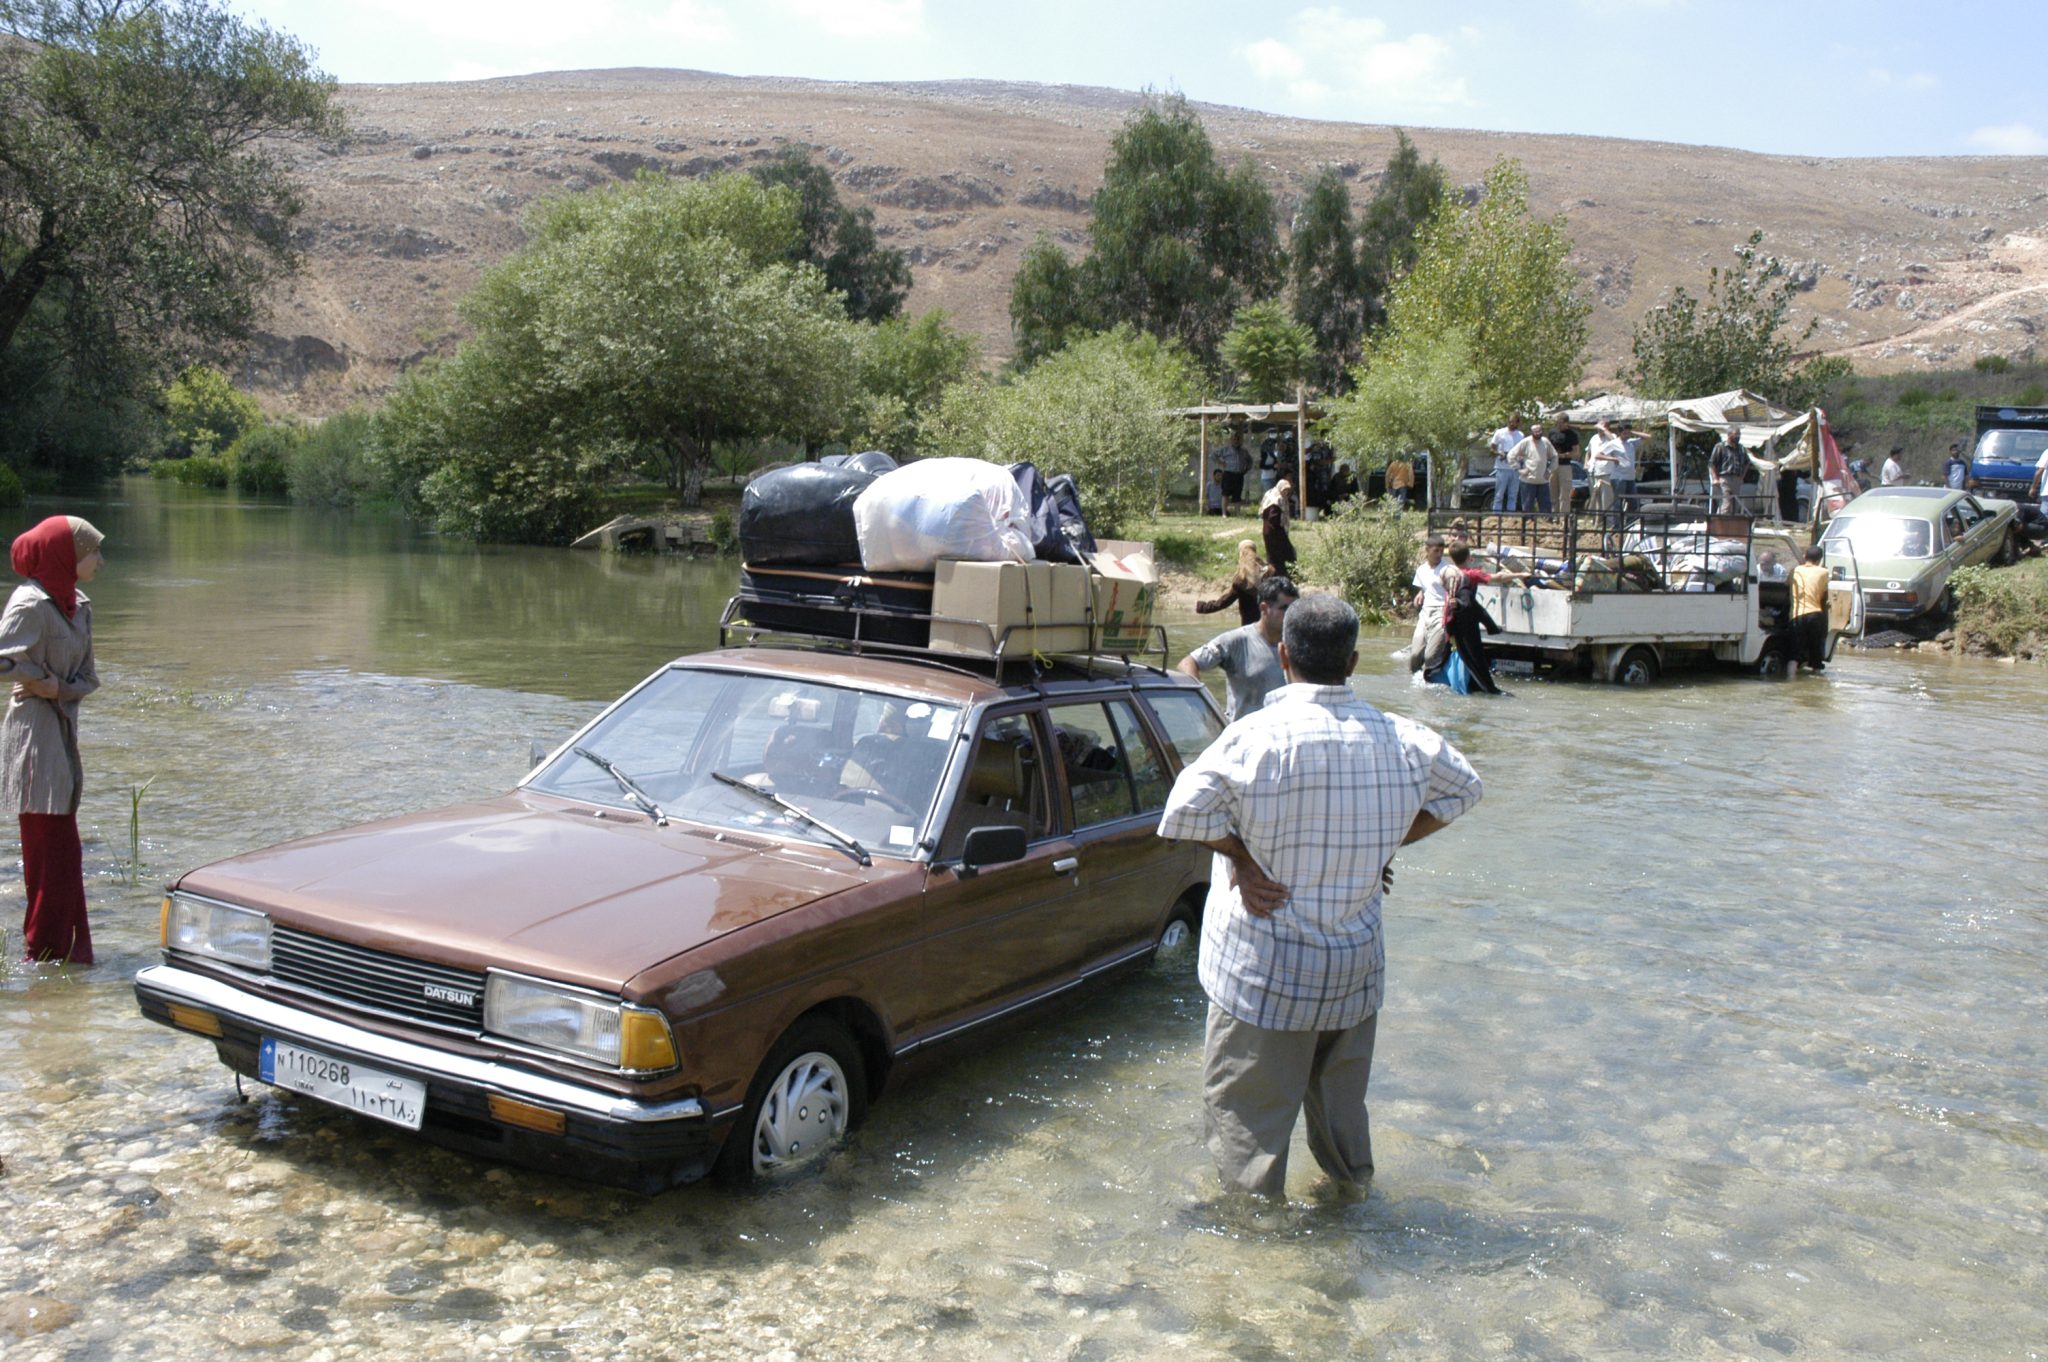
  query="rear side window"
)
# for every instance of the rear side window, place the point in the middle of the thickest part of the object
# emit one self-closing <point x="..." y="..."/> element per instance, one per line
<point x="1112" y="771"/>
<point x="1187" y="719"/>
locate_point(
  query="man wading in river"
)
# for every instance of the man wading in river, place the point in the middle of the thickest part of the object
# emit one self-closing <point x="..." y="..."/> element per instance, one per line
<point x="1304" y="802"/>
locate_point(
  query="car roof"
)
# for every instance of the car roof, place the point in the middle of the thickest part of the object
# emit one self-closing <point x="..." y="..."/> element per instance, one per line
<point x="961" y="681"/>
<point x="1915" y="503"/>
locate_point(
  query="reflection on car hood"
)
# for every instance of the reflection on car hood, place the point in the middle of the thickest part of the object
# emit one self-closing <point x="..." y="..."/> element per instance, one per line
<point x="529" y="883"/>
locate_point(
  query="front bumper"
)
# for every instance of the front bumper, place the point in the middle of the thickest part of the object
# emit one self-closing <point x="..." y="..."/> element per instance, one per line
<point x="607" y="1136"/>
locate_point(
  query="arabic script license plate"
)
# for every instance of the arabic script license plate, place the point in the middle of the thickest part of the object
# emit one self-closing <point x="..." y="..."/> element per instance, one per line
<point x="401" y="1101"/>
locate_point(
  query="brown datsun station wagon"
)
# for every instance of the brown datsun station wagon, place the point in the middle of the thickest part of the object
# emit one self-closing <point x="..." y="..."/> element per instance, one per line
<point x="703" y="933"/>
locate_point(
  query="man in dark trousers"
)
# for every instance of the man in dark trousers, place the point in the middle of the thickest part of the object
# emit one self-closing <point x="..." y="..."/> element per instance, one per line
<point x="1304" y="803"/>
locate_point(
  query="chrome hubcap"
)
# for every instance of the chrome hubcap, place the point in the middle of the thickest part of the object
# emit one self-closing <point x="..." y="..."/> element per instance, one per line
<point x="1175" y="937"/>
<point x="805" y="1111"/>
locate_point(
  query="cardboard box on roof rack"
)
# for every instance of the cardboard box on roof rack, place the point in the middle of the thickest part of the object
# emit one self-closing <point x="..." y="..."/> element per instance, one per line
<point x="1043" y="606"/>
<point x="1126" y="586"/>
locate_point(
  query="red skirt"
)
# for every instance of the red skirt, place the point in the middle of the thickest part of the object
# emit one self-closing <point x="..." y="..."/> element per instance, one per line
<point x="53" y="866"/>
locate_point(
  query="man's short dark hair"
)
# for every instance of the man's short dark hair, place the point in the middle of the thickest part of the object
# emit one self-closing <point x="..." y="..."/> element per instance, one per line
<point x="1460" y="552"/>
<point x="1320" y="635"/>
<point x="1435" y="541"/>
<point x="1274" y="587"/>
<point x="1898" y="449"/>
<point x="1813" y="553"/>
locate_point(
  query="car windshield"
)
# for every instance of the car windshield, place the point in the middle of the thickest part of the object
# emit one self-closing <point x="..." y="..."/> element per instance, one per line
<point x="2012" y="446"/>
<point x="1879" y="536"/>
<point x="865" y="764"/>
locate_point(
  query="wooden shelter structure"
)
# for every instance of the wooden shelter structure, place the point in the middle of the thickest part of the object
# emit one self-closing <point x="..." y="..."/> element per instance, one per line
<point x="1299" y="413"/>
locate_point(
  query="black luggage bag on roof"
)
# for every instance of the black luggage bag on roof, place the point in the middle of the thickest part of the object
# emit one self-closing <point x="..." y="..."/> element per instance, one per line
<point x="804" y="513"/>
<point x="813" y="600"/>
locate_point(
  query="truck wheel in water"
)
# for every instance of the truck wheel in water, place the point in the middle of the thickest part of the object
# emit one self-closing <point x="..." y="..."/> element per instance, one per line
<point x="809" y="1092"/>
<point x="1771" y="661"/>
<point x="1638" y="667"/>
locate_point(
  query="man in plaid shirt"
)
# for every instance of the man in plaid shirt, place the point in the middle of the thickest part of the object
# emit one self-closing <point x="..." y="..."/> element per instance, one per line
<point x="1305" y="802"/>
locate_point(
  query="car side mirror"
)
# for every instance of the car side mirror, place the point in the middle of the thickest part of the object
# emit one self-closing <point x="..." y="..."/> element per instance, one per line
<point x="992" y="846"/>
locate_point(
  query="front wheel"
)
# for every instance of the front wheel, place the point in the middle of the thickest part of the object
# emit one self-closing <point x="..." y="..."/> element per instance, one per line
<point x="2009" y="548"/>
<point x="1770" y="663"/>
<point x="809" y="1092"/>
<point x="1638" y="667"/>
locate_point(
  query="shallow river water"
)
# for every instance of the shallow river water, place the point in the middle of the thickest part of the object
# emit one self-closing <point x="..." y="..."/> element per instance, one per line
<point x="1715" y="1031"/>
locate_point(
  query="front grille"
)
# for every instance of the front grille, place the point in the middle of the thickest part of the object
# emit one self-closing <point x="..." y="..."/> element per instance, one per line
<point x="435" y="994"/>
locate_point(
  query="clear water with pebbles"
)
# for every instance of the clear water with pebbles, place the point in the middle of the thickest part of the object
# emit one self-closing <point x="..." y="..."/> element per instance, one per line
<point x="1713" y="1033"/>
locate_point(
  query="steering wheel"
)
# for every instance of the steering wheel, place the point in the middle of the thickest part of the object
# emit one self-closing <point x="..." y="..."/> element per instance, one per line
<point x="882" y="797"/>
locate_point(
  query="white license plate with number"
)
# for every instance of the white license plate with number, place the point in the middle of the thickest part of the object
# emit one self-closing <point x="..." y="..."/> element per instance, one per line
<point x="401" y="1101"/>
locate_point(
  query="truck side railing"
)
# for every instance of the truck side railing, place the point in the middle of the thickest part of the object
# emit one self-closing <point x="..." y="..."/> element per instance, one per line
<point x="1662" y="546"/>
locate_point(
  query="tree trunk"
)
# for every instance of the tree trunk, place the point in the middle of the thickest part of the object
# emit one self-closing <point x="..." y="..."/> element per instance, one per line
<point x="18" y="290"/>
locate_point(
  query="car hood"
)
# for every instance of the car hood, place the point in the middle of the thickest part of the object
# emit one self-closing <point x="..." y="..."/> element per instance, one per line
<point x="527" y="883"/>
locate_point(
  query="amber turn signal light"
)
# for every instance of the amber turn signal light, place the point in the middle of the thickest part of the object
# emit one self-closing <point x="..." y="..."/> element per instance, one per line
<point x="645" y="1042"/>
<point x="195" y="1019"/>
<point x="527" y="1116"/>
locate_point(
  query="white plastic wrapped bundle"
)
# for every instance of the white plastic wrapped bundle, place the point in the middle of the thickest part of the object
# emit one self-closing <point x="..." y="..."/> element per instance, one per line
<point x="942" y="508"/>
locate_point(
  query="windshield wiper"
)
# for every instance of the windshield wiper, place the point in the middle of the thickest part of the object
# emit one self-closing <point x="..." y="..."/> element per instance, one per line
<point x="853" y="848"/>
<point x="633" y="791"/>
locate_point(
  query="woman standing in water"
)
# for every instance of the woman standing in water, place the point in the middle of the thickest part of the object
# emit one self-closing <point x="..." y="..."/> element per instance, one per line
<point x="46" y="653"/>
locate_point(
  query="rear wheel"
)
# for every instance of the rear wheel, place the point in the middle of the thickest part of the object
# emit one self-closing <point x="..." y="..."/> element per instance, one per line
<point x="1771" y="661"/>
<point x="1182" y="930"/>
<point x="2009" y="548"/>
<point x="809" y="1092"/>
<point x="1638" y="667"/>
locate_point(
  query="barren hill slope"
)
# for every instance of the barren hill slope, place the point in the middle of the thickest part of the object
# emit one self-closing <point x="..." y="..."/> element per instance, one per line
<point x="1912" y="261"/>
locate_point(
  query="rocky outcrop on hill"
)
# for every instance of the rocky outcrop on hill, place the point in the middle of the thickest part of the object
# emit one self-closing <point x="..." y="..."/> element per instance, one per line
<point x="1905" y="262"/>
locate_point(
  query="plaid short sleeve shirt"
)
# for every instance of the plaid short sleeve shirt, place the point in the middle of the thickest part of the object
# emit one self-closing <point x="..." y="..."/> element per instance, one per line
<point x="1321" y="788"/>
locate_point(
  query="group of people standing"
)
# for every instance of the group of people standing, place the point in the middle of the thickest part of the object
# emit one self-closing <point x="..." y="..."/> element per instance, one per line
<point x="1533" y="470"/>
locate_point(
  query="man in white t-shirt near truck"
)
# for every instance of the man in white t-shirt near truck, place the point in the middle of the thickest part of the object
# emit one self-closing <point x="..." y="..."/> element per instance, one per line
<point x="1507" y="483"/>
<point x="1429" y="634"/>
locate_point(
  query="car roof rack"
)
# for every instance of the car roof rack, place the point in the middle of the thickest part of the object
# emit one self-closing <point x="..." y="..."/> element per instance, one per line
<point x="734" y="629"/>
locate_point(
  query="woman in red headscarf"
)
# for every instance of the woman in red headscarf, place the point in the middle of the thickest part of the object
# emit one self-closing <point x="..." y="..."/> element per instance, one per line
<point x="46" y="652"/>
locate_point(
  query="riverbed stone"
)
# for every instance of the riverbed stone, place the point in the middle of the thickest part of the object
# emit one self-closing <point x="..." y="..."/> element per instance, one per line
<point x="33" y="1313"/>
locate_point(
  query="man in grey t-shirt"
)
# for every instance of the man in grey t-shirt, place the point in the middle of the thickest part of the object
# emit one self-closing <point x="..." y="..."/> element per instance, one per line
<point x="1250" y="656"/>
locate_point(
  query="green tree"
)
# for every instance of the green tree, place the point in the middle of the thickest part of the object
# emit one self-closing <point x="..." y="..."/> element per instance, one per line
<point x="260" y="459"/>
<point x="1049" y="304"/>
<point x="1095" y="409"/>
<point x="1179" y="243"/>
<point x="1504" y="279"/>
<point x="1408" y="196"/>
<point x="905" y="367"/>
<point x="205" y="413"/>
<point x="1269" y="352"/>
<point x="1412" y="393"/>
<point x="1736" y="336"/>
<point x="144" y="175"/>
<point x="839" y="240"/>
<point x="1328" y="295"/>
<point x="653" y="318"/>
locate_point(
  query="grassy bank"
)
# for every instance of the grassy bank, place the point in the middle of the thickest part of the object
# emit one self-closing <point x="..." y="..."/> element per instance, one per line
<point x="1922" y="412"/>
<point x="2003" y="612"/>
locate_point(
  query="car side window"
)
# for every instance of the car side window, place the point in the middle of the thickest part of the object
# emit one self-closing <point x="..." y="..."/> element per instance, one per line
<point x="1149" y="780"/>
<point x="1952" y="527"/>
<point x="1187" y="719"/>
<point x="1112" y="771"/>
<point x="1967" y="512"/>
<point x="1004" y="786"/>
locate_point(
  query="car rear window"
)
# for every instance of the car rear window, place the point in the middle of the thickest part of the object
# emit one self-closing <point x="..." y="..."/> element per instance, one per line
<point x="1880" y="536"/>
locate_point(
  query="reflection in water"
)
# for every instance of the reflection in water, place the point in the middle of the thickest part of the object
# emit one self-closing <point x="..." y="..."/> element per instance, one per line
<point x="1711" y="1032"/>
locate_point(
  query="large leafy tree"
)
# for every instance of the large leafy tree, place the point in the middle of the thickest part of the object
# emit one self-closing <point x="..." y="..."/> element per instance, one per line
<point x="905" y="368"/>
<point x="1049" y="304"/>
<point x="1414" y="393"/>
<point x="1179" y="243"/>
<point x="1269" y="352"/>
<point x="652" y="318"/>
<point x="1342" y="269"/>
<point x="1504" y="279"/>
<point x="1096" y="409"/>
<point x="1736" y="336"/>
<point x="840" y="240"/>
<point x="145" y="193"/>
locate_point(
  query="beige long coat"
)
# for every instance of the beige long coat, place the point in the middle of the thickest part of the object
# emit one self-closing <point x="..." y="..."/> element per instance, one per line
<point x="39" y="767"/>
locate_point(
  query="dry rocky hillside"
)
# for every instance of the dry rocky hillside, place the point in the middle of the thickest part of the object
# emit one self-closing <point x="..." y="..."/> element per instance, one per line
<point x="1907" y="262"/>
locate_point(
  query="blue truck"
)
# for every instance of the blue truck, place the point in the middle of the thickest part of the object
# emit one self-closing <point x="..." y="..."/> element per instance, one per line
<point x="2010" y="442"/>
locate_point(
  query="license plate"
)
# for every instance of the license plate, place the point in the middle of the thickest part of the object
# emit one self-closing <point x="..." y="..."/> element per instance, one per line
<point x="372" y="1092"/>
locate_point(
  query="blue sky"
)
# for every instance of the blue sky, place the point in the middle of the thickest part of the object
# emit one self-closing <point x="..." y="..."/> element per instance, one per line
<point x="1802" y="77"/>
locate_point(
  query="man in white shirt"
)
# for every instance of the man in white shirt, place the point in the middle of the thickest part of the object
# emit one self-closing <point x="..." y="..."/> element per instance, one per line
<point x="1428" y="637"/>
<point x="1893" y="474"/>
<point x="2040" y="487"/>
<point x="1632" y="452"/>
<point x="1604" y="453"/>
<point x="1534" y="460"/>
<point x="1305" y="804"/>
<point x="1506" y="486"/>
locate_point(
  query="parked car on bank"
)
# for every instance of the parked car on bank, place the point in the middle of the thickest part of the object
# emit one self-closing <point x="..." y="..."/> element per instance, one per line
<point x="707" y="930"/>
<point x="1906" y="542"/>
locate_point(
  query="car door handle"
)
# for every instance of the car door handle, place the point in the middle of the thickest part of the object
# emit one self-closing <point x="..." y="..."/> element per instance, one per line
<point x="1066" y="865"/>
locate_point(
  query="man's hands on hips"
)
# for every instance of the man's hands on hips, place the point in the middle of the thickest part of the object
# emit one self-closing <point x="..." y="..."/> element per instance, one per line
<point x="1261" y="894"/>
